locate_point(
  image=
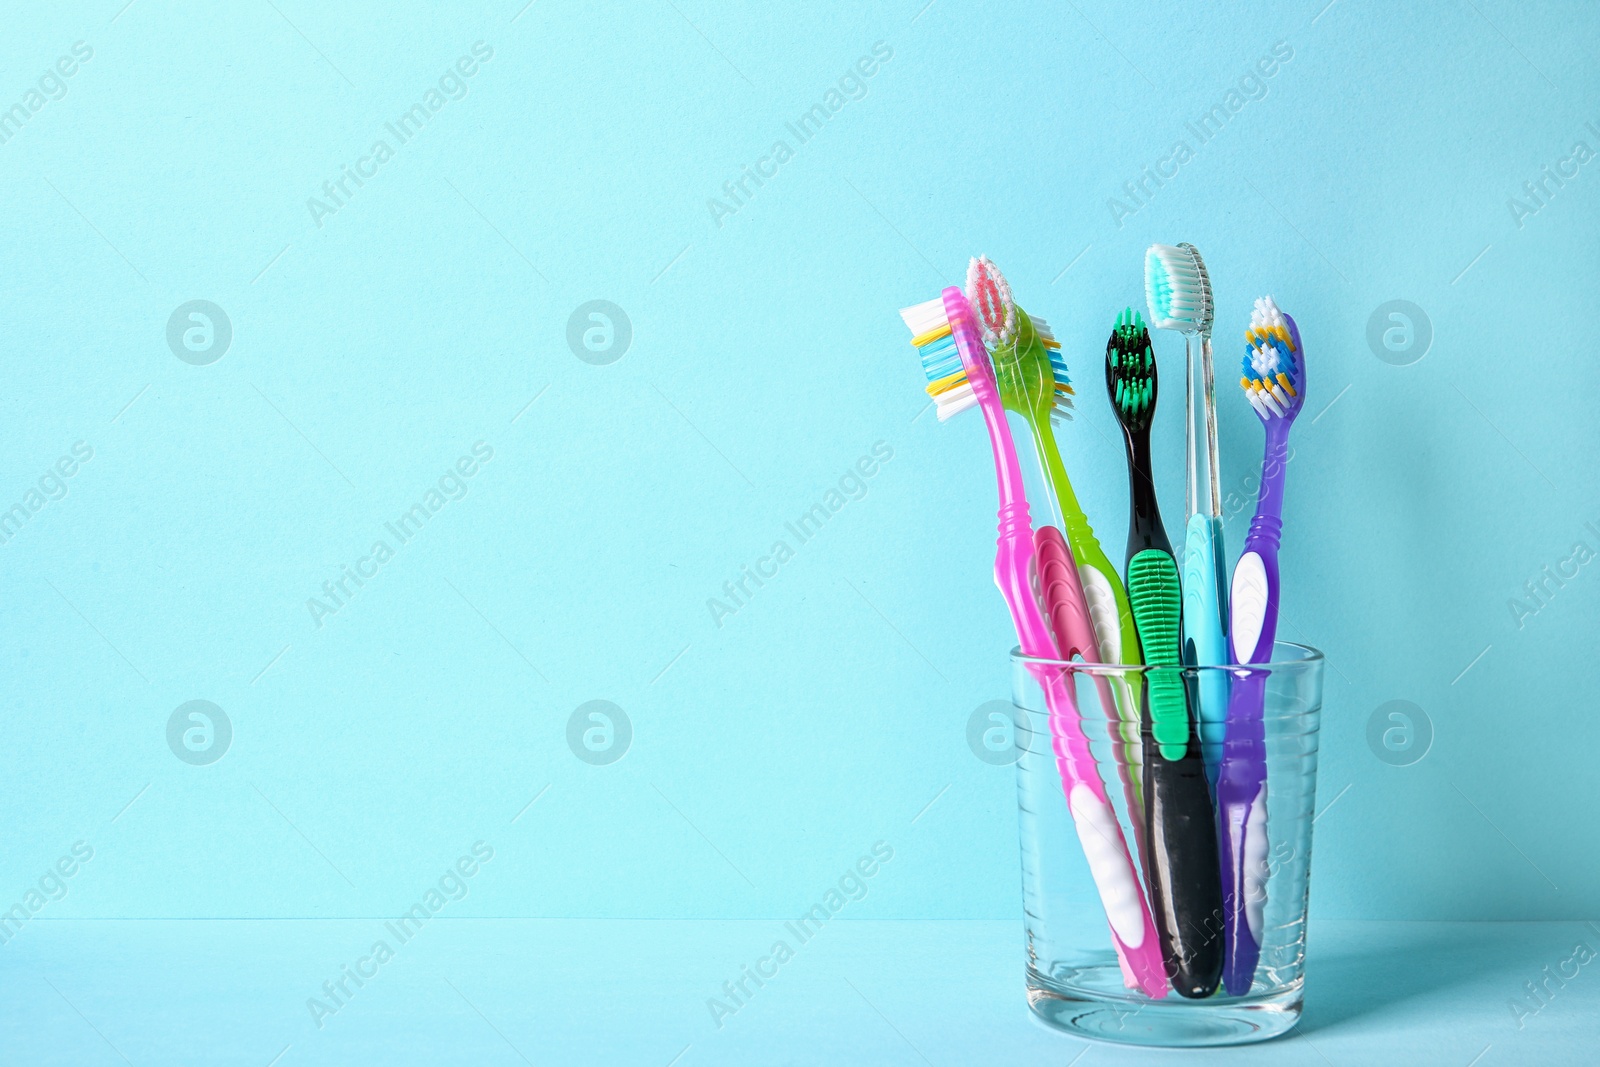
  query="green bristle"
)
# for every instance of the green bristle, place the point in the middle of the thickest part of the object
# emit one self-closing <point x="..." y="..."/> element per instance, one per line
<point x="1131" y="370"/>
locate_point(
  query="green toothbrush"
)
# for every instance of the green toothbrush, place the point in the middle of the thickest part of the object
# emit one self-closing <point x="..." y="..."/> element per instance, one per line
<point x="1033" y="382"/>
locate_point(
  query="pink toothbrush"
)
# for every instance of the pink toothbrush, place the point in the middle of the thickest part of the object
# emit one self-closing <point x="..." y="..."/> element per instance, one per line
<point x="937" y="326"/>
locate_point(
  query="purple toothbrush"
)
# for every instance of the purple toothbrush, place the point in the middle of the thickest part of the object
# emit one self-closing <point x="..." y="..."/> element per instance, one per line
<point x="1274" y="382"/>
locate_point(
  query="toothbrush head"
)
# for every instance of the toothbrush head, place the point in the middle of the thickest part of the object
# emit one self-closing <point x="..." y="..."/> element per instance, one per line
<point x="929" y="324"/>
<point x="990" y="297"/>
<point x="1274" y="378"/>
<point x="1028" y="366"/>
<point x="1178" y="289"/>
<point x="1131" y="372"/>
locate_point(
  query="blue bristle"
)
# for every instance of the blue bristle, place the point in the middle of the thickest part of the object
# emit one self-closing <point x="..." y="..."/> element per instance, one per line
<point x="1059" y="366"/>
<point x="1283" y="360"/>
<point x="940" y="359"/>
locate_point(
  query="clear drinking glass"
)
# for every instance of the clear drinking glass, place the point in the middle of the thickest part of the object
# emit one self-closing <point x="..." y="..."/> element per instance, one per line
<point x="1074" y="979"/>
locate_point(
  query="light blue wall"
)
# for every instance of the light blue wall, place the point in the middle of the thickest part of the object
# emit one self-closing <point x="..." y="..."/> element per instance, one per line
<point x="371" y="351"/>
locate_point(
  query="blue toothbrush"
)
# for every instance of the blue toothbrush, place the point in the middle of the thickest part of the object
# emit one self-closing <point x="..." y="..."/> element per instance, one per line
<point x="1178" y="290"/>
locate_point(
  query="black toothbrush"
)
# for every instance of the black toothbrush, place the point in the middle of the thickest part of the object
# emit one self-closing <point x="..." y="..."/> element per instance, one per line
<point x="1179" y="832"/>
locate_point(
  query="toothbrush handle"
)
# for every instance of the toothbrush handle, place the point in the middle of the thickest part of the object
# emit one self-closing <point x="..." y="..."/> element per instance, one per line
<point x="1181" y="846"/>
<point x="1242" y="779"/>
<point x="1204" y="487"/>
<point x="1115" y="636"/>
<point x="1061" y="592"/>
<point x="1254" y="626"/>
<point x="1132" y="929"/>
<point x="1242" y="841"/>
<point x="1108" y="598"/>
<point x="1066" y="607"/>
<point x="1111" y="866"/>
<point x="980" y="375"/>
<point x="1204" y="607"/>
<point x="1213" y="458"/>
<point x="1119" y="643"/>
<point x="1203" y="642"/>
<point x="1111" y="637"/>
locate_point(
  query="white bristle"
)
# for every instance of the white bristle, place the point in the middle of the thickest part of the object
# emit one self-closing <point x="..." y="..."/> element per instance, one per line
<point x="921" y="318"/>
<point x="1271" y="358"/>
<point x="1190" y="300"/>
<point x="1265" y="314"/>
<point x="1264" y="360"/>
<point x="929" y="316"/>
<point x="957" y="400"/>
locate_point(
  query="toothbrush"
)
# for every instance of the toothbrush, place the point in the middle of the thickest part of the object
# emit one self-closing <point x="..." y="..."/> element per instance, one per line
<point x="946" y="335"/>
<point x="1275" y="384"/>
<point x="1181" y="841"/>
<point x="1092" y="619"/>
<point x="1178" y="290"/>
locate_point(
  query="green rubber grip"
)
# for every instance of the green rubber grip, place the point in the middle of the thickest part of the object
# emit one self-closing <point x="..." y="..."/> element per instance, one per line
<point x="1157" y="607"/>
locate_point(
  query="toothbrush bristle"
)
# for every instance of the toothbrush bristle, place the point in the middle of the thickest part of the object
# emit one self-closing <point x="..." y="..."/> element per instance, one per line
<point x="1004" y="327"/>
<point x="1131" y="371"/>
<point x="925" y="317"/>
<point x="1177" y="288"/>
<point x="1061" y="410"/>
<point x="990" y="297"/>
<point x="941" y="360"/>
<point x="1272" y="373"/>
<point x="992" y="302"/>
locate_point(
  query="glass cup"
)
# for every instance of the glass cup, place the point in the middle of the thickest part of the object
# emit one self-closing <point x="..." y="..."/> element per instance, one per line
<point x="1076" y="721"/>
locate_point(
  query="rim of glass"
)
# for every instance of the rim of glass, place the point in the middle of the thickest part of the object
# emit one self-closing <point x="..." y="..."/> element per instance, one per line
<point x="1304" y="656"/>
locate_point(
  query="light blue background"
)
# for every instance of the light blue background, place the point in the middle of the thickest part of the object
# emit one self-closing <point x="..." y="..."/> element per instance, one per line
<point x="767" y="356"/>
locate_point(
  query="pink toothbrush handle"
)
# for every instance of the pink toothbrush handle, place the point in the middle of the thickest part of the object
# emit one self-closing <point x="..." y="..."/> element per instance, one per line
<point x="1068" y="616"/>
<point x="1132" y="929"/>
<point x="1061" y="590"/>
<point x="1066" y="607"/>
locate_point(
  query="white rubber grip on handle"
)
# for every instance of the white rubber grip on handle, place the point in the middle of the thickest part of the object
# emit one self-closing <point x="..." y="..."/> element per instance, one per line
<point x="1255" y="863"/>
<point x="1102" y="604"/>
<point x="1109" y="864"/>
<point x="1248" y="608"/>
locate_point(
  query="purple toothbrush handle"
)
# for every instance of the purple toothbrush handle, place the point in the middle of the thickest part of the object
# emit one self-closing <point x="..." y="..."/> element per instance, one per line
<point x="1242" y="779"/>
<point x="1241" y="838"/>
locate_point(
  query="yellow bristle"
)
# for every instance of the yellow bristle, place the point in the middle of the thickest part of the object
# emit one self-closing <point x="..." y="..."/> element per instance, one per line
<point x="1283" y="380"/>
<point x="1255" y="335"/>
<point x="931" y="336"/>
<point x="944" y="385"/>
